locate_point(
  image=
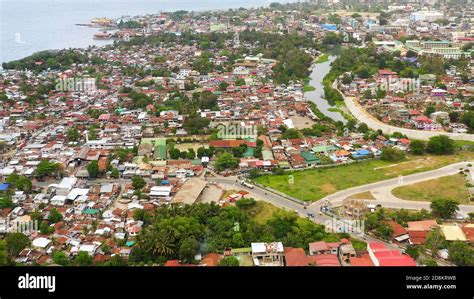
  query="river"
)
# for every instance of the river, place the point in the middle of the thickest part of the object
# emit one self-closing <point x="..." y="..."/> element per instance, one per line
<point x="316" y="96"/>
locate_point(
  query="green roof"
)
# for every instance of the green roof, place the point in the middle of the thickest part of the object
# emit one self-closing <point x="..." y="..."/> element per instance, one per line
<point x="242" y="250"/>
<point x="160" y="152"/>
<point x="309" y="157"/>
<point x="90" y="211"/>
<point x="196" y="162"/>
<point x="324" y="148"/>
<point x="154" y="141"/>
<point x="248" y="152"/>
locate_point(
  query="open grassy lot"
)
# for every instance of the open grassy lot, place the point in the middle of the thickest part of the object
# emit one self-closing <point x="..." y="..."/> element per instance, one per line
<point x="322" y="58"/>
<point x="449" y="187"/>
<point x="314" y="184"/>
<point x="186" y="146"/>
<point x="263" y="211"/>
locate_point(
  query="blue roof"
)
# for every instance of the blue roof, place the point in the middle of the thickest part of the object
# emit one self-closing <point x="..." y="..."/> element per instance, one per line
<point x="4" y="186"/>
<point x="329" y="26"/>
<point x="363" y="152"/>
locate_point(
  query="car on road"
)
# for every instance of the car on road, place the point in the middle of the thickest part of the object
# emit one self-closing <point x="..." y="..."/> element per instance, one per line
<point x="310" y="215"/>
<point x="246" y="184"/>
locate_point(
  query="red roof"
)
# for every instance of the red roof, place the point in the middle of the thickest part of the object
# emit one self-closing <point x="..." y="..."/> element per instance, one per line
<point x="387" y="257"/>
<point x="230" y="143"/>
<point x="422" y="225"/>
<point x="296" y="257"/>
<point x="468" y="230"/>
<point x="398" y="230"/>
<point x="363" y="261"/>
<point x="318" y="246"/>
<point x="211" y="259"/>
<point x="325" y="260"/>
<point x="423" y="118"/>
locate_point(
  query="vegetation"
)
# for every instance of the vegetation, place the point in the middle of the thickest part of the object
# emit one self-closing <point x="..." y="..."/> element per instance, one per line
<point x="392" y="154"/>
<point x="173" y="232"/>
<point x="93" y="169"/>
<point x="444" y="208"/>
<point x="440" y="145"/>
<point x="46" y="168"/>
<point x="230" y="261"/>
<point x="225" y="161"/>
<point x="313" y="184"/>
<point x="451" y="187"/>
<point x="47" y="59"/>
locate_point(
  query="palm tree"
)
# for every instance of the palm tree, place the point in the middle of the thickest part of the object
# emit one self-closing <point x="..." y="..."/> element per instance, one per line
<point x="163" y="243"/>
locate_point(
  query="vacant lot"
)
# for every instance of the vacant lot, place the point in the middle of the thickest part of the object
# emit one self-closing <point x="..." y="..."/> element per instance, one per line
<point x="186" y="146"/>
<point x="314" y="184"/>
<point x="449" y="187"/>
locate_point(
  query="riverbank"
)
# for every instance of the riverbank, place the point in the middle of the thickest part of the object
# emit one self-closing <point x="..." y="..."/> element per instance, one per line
<point x="317" y="96"/>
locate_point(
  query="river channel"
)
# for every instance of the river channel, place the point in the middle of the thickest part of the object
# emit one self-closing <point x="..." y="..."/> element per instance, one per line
<point x="316" y="96"/>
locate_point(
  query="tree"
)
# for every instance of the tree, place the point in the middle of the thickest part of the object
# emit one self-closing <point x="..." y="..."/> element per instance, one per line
<point x="230" y="261"/>
<point x="223" y="86"/>
<point x="47" y="168"/>
<point x="412" y="250"/>
<point x="138" y="182"/>
<point x="16" y="242"/>
<point x="115" y="173"/>
<point x="291" y="134"/>
<point x="434" y="241"/>
<point x="430" y="109"/>
<point x="60" y="258"/>
<point x="93" y="169"/>
<point x="6" y="203"/>
<point x="20" y="182"/>
<point x="226" y="161"/>
<point x="188" y="249"/>
<point x="417" y="147"/>
<point x="392" y="154"/>
<point x="444" y="208"/>
<point x="73" y="134"/>
<point x="440" y="145"/>
<point x="116" y="261"/>
<point x="245" y="203"/>
<point x="3" y="253"/>
<point x="175" y="153"/>
<point x="461" y="253"/>
<point x="55" y="216"/>
<point x="363" y="128"/>
<point x="83" y="259"/>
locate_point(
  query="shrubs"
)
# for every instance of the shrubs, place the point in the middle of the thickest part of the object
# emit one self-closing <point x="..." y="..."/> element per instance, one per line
<point x="440" y="145"/>
<point x="392" y="154"/>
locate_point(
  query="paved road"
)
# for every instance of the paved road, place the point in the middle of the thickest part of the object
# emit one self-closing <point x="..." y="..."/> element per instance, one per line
<point x="363" y="116"/>
<point x="285" y="203"/>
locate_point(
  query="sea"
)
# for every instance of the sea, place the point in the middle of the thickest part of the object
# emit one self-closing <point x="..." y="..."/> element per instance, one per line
<point x="29" y="26"/>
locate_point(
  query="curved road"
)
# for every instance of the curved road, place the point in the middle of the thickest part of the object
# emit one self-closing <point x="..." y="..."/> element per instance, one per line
<point x="363" y="116"/>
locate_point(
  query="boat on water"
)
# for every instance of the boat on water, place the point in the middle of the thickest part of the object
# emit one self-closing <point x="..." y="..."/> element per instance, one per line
<point x="103" y="35"/>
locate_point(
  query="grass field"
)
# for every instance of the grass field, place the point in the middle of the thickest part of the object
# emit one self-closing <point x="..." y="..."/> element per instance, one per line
<point x="322" y="58"/>
<point x="262" y="211"/>
<point x="314" y="184"/>
<point x="449" y="187"/>
<point x="307" y="88"/>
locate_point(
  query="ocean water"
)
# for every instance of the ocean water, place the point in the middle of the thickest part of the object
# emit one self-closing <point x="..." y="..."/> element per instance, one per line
<point x="29" y="26"/>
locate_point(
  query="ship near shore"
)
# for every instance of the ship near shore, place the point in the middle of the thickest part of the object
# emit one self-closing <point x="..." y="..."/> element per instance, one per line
<point x="103" y="35"/>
